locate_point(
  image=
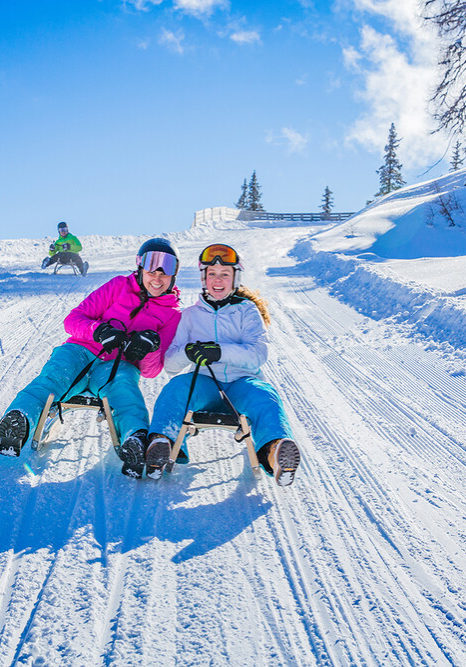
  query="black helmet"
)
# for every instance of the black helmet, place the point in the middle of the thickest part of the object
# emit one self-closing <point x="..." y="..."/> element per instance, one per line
<point x="157" y="253"/>
<point x="62" y="224"/>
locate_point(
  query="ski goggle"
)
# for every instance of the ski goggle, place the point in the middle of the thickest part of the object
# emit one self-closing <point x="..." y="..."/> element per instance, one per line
<point x="156" y="259"/>
<point x="218" y="252"/>
<point x="63" y="229"/>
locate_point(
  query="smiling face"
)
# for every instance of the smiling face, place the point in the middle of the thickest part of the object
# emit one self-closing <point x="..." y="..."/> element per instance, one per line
<point x="219" y="281"/>
<point x="156" y="282"/>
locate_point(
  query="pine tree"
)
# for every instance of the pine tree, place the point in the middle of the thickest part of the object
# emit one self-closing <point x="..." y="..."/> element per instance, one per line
<point x="390" y="172"/>
<point x="243" y="200"/>
<point x="254" y="194"/>
<point x="456" y="160"/>
<point x="449" y="16"/>
<point x="327" y="202"/>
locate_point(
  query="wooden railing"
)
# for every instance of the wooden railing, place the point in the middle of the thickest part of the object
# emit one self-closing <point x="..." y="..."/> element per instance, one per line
<point x="226" y="214"/>
<point x="303" y="217"/>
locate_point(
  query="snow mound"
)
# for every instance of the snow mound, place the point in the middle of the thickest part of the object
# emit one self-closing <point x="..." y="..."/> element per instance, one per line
<point x="424" y="220"/>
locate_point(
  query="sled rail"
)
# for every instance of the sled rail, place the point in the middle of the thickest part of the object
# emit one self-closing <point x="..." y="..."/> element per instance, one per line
<point x="86" y="400"/>
<point x="194" y="422"/>
<point x="60" y="265"/>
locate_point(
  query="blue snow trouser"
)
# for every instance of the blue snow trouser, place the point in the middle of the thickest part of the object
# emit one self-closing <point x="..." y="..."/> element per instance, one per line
<point x="256" y="399"/>
<point x="66" y="362"/>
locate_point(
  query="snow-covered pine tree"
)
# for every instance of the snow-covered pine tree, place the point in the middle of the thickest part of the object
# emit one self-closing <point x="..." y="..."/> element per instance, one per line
<point x="243" y="199"/>
<point x="254" y="194"/>
<point x="456" y="160"/>
<point x="390" y="172"/>
<point x="327" y="202"/>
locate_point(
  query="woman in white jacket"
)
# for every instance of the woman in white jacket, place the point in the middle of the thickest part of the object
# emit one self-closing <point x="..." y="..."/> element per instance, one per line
<point x="224" y="329"/>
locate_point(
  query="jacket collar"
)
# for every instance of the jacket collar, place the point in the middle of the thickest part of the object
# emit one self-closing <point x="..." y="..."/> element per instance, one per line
<point x="231" y="299"/>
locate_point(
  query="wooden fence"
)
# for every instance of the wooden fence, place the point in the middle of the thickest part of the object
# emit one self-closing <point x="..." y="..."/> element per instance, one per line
<point x="227" y="214"/>
<point x="298" y="217"/>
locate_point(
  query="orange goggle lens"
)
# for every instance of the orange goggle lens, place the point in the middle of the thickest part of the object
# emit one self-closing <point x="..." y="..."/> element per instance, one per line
<point x="219" y="252"/>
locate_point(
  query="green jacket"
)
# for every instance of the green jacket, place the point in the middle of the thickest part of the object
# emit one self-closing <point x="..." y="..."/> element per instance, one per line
<point x="75" y="245"/>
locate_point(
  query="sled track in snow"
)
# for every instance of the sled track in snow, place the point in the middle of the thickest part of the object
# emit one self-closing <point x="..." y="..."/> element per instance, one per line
<point x="358" y="563"/>
<point x="371" y="495"/>
<point x="19" y="572"/>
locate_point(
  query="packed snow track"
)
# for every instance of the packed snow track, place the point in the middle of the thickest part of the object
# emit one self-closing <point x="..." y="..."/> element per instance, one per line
<point x="360" y="562"/>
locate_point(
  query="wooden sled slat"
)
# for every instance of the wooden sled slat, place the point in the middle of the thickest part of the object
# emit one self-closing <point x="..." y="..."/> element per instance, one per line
<point x="77" y="402"/>
<point x="197" y="421"/>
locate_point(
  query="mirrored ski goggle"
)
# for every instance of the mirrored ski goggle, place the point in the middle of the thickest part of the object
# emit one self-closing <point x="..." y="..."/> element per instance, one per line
<point x="219" y="253"/>
<point x="63" y="229"/>
<point x="156" y="259"/>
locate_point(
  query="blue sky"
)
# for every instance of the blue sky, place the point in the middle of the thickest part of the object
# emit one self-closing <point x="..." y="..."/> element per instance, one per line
<point x="126" y="117"/>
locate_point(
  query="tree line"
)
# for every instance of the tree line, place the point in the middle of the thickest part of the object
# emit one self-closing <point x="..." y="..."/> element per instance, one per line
<point x="390" y="177"/>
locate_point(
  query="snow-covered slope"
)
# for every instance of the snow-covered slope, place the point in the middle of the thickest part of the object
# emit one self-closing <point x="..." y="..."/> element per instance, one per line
<point x="360" y="562"/>
<point x="400" y="258"/>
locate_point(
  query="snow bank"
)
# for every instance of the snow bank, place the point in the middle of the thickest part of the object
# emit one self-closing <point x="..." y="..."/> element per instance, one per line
<point x="400" y="258"/>
<point x="366" y="287"/>
<point x="425" y="220"/>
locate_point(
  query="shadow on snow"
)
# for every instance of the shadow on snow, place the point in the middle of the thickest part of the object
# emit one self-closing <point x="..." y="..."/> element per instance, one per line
<point x="122" y="513"/>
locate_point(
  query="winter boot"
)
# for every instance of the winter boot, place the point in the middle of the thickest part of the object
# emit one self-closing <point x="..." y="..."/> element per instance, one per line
<point x="283" y="458"/>
<point x="131" y="452"/>
<point x="14" y="430"/>
<point x="157" y="455"/>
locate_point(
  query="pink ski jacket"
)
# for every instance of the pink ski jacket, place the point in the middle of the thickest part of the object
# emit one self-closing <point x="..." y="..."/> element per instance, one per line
<point x="113" y="302"/>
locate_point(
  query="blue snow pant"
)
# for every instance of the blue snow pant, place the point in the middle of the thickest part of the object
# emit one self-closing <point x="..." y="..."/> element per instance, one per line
<point x="256" y="399"/>
<point x="66" y="362"/>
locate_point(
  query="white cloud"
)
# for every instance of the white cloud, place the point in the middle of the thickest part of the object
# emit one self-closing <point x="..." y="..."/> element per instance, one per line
<point x="200" y="6"/>
<point x="399" y="73"/>
<point x="172" y="41"/>
<point x="143" y="44"/>
<point x="143" y="5"/>
<point x="245" y="36"/>
<point x="405" y="14"/>
<point x="196" y="7"/>
<point x="294" y="141"/>
<point x="351" y="58"/>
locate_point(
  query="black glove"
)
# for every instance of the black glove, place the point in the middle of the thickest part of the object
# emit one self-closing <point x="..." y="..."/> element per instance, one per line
<point x="203" y="353"/>
<point x="66" y="246"/>
<point x="141" y="343"/>
<point x="109" y="337"/>
<point x="52" y="247"/>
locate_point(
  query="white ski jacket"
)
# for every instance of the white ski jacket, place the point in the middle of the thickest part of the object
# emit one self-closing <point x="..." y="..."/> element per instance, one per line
<point x="237" y="327"/>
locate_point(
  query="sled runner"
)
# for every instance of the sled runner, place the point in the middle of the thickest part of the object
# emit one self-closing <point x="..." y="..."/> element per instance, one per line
<point x="231" y="421"/>
<point x="197" y="421"/>
<point x="60" y="264"/>
<point x="53" y="409"/>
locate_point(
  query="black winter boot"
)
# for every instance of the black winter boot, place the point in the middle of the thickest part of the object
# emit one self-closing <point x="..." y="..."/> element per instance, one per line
<point x="132" y="452"/>
<point x="157" y="455"/>
<point x="14" y="431"/>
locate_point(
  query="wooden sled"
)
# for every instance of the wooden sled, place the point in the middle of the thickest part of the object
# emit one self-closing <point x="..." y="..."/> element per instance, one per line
<point x="50" y="415"/>
<point x="197" y="421"/>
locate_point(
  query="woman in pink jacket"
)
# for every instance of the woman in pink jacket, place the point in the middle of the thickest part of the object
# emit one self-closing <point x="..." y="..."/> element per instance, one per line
<point x="132" y="316"/>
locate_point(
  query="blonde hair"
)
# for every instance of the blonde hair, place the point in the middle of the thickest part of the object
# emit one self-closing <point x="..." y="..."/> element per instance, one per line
<point x="255" y="297"/>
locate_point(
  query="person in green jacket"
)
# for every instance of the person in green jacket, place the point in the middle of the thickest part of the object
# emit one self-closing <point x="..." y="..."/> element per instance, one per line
<point x="65" y="250"/>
